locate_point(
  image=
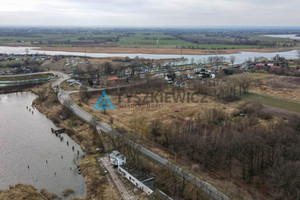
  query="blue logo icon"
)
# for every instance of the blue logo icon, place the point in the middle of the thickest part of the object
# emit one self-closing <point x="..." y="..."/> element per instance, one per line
<point x="104" y="103"/>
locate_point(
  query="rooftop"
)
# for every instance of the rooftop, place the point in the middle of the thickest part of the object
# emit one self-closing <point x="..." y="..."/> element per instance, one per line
<point x="140" y="175"/>
<point x="115" y="153"/>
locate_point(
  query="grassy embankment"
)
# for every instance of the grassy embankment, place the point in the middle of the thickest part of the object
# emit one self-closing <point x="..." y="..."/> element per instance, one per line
<point x="3" y="69"/>
<point x="25" y="77"/>
<point x="273" y="101"/>
<point x="20" y="192"/>
<point x="276" y="91"/>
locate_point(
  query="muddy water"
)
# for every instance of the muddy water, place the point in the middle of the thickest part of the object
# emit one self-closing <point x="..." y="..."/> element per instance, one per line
<point x="31" y="154"/>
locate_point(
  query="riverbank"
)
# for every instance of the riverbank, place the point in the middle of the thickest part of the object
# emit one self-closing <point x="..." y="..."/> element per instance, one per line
<point x="172" y="51"/>
<point x="20" y="192"/>
<point x="18" y="88"/>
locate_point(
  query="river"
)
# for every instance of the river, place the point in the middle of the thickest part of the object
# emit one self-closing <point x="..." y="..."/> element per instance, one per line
<point x="287" y="36"/>
<point x="26" y="140"/>
<point x="240" y="57"/>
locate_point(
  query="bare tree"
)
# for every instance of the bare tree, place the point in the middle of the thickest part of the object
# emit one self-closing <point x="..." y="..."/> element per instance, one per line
<point x="298" y="53"/>
<point x="83" y="93"/>
<point x="68" y="103"/>
<point x="232" y="60"/>
<point x="27" y="51"/>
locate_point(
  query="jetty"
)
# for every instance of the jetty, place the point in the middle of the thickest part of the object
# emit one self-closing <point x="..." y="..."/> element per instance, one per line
<point x="58" y="131"/>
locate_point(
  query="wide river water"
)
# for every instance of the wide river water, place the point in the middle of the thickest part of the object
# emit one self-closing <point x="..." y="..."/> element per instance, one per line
<point x="240" y="57"/>
<point x="287" y="36"/>
<point x="26" y="140"/>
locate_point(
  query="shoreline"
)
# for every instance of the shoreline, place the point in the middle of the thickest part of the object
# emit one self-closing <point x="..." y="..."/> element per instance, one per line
<point x="167" y="51"/>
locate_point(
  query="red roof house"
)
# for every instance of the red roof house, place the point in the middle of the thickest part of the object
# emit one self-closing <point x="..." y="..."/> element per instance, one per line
<point x="260" y="64"/>
<point x="275" y="67"/>
<point x="113" y="78"/>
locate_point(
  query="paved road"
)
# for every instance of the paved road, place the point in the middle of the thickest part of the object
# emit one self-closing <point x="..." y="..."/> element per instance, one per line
<point x="206" y="187"/>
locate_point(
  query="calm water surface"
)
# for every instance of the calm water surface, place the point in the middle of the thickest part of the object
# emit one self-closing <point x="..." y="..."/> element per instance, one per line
<point x="240" y="57"/>
<point x="26" y="140"/>
<point x="289" y="36"/>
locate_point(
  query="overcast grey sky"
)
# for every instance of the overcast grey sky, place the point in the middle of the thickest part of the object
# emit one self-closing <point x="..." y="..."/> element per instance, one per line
<point x="150" y="12"/>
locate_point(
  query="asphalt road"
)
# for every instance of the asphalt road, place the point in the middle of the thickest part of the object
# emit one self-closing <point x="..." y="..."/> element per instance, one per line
<point x="64" y="98"/>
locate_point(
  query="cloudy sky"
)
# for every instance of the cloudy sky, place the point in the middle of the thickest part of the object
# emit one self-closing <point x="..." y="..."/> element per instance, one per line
<point x="150" y="13"/>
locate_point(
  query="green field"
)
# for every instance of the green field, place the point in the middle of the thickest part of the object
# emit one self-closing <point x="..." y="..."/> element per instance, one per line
<point x="3" y="69"/>
<point x="25" y="77"/>
<point x="160" y="40"/>
<point x="139" y="38"/>
<point x="6" y="63"/>
<point x="272" y="101"/>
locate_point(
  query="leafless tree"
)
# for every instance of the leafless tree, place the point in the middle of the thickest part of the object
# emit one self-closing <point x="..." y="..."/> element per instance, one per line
<point x="232" y="60"/>
<point x="68" y="103"/>
<point x="83" y="93"/>
<point x="27" y="51"/>
<point x="298" y="53"/>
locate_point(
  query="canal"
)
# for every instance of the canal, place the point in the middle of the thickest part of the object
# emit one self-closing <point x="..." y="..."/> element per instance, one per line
<point x="31" y="154"/>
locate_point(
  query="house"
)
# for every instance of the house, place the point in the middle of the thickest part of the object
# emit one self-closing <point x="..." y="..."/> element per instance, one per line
<point x="113" y="78"/>
<point x="71" y="81"/>
<point x="260" y="65"/>
<point x="116" y="158"/>
<point x="275" y="67"/>
<point x="127" y="71"/>
<point x="141" y="179"/>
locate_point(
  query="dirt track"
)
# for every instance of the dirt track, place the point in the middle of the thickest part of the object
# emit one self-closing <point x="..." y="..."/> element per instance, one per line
<point x="280" y="112"/>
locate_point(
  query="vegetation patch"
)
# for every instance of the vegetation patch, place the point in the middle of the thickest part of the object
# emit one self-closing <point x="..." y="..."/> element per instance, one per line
<point x="272" y="101"/>
<point x="25" y="77"/>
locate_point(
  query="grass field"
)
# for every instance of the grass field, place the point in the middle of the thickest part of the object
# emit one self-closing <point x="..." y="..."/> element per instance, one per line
<point x="133" y="38"/>
<point x="258" y="75"/>
<point x="160" y="40"/>
<point x="274" y="102"/>
<point x="3" y="69"/>
<point x="6" y="63"/>
<point x="25" y="77"/>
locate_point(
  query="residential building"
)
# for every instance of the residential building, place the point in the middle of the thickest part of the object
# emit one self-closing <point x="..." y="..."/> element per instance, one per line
<point x="116" y="158"/>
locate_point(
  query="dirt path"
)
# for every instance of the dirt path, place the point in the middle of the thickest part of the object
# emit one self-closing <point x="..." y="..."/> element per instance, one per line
<point x="126" y="195"/>
<point x="280" y="112"/>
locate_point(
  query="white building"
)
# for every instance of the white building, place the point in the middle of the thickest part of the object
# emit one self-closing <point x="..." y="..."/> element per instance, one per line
<point x="140" y="179"/>
<point x="117" y="159"/>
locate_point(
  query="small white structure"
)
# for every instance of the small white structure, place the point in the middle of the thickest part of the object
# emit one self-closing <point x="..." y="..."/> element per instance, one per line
<point x="71" y="81"/>
<point x="116" y="158"/>
<point x="140" y="179"/>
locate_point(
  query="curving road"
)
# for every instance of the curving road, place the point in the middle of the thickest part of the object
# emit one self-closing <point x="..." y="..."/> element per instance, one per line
<point x="64" y="98"/>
